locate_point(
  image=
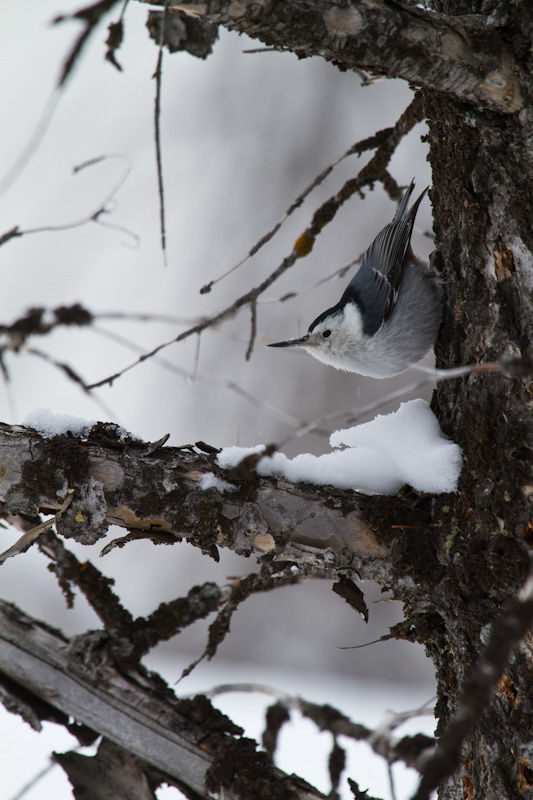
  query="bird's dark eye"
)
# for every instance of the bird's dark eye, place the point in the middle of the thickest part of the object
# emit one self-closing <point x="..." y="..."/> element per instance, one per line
<point x="326" y="334"/>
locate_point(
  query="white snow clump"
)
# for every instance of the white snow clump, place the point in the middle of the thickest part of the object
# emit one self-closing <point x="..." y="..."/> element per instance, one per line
<point x="50" y="424"/>
<point x="379" y="457"/>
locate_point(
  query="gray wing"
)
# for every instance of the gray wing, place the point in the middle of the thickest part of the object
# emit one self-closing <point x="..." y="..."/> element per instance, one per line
<point x="376" y="284"/>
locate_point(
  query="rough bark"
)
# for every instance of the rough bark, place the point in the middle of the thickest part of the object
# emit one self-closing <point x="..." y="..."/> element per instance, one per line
<point x="91" y="483"/>
<point x="483" y="202"/>
<point x="468" y="56"/>
<point x="144" y="725"/>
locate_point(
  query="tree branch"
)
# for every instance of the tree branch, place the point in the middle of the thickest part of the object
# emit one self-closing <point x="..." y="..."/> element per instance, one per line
<point x="158" y="495"/>
<point x="462" y="56"/>
<point x="385" y="143"/>
<point x="137" y="711"/>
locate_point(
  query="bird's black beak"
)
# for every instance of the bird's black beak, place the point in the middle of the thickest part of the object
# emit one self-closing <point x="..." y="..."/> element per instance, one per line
<point x="291" y="342"/>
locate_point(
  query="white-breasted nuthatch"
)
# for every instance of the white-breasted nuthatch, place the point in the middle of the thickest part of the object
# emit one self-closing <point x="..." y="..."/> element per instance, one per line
<point x="390" y="313"/>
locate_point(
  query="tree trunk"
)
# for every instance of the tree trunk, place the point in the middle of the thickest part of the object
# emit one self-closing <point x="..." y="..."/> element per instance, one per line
<point x="483" y="204"/>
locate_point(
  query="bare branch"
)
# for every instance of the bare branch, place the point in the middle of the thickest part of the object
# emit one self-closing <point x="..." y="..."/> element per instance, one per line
<point x="467" y="57"/>
<point x="28" y="150"/>
<point x="91" y="17"/>
<point x="136" y="711"/>
<point x="130" y="638"/>
<point x="34" y="781"/>
<point x="386" y="143"/>
<point x="115" y="38"/>
<point x="73" y="376"/>
<point x="253" y="330"/>
<point x="241" y="590"/>
<point x="412" y="750"/>
<point x="519" y="366"/>
<point x="356" y="149"/>
<point x="110" y="477"/>
<point x="105" y="207"/>
<point x="158" y="75"/>
<point x="27" y="539"/>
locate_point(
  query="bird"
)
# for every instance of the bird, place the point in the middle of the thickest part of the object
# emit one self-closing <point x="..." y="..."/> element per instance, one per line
<point x="390" y="313"/>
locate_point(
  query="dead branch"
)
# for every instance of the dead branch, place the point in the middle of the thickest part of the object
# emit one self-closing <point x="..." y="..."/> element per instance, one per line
<point x="183" y="739"/>
<point x="116" y="480"/>
<point x="462" y="56"/>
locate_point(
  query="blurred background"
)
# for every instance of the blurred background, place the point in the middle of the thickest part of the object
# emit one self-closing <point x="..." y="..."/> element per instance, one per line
<point x="243" y="134"/>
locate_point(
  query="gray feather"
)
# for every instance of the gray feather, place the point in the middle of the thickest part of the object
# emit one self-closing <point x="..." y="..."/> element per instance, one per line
<point x="376" y="284"/>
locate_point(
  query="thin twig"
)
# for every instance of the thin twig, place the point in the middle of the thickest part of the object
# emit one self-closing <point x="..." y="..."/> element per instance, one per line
<point x="338" y="273"/>
<point x="67" y="370"/>
<point x="34" y="781"/>
<point x="392" y="786"/>
<point x="253" y="330"/>
<point x="209" y="322"/>
<point x="192" y="377"/>
<point x="93" y="216"/>
<point x="157" y="132"/>
<point x="27" y="539"/>
<point x="33" y="143"/>
<point x="328" y="718"/>
<point x="91" y="16"/>
<point x="144" y="316"/>
<point x="203" y="380"/>
<point x="356" y="414"/>
<point x="385" y="143"/>
<point x="356" y="149"/>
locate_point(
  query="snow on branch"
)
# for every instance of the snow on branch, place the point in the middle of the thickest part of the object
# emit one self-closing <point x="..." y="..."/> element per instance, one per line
<point x="92" y="481"/>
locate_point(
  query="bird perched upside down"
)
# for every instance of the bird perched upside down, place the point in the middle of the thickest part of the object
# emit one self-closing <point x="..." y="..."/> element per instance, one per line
<point x="390" y="313"/>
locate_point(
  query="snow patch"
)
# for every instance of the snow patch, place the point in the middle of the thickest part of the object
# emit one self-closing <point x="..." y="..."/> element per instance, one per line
<point x="212" y="481"/>
<point x="50" y="424"/>
<point x="377" y="457"/>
